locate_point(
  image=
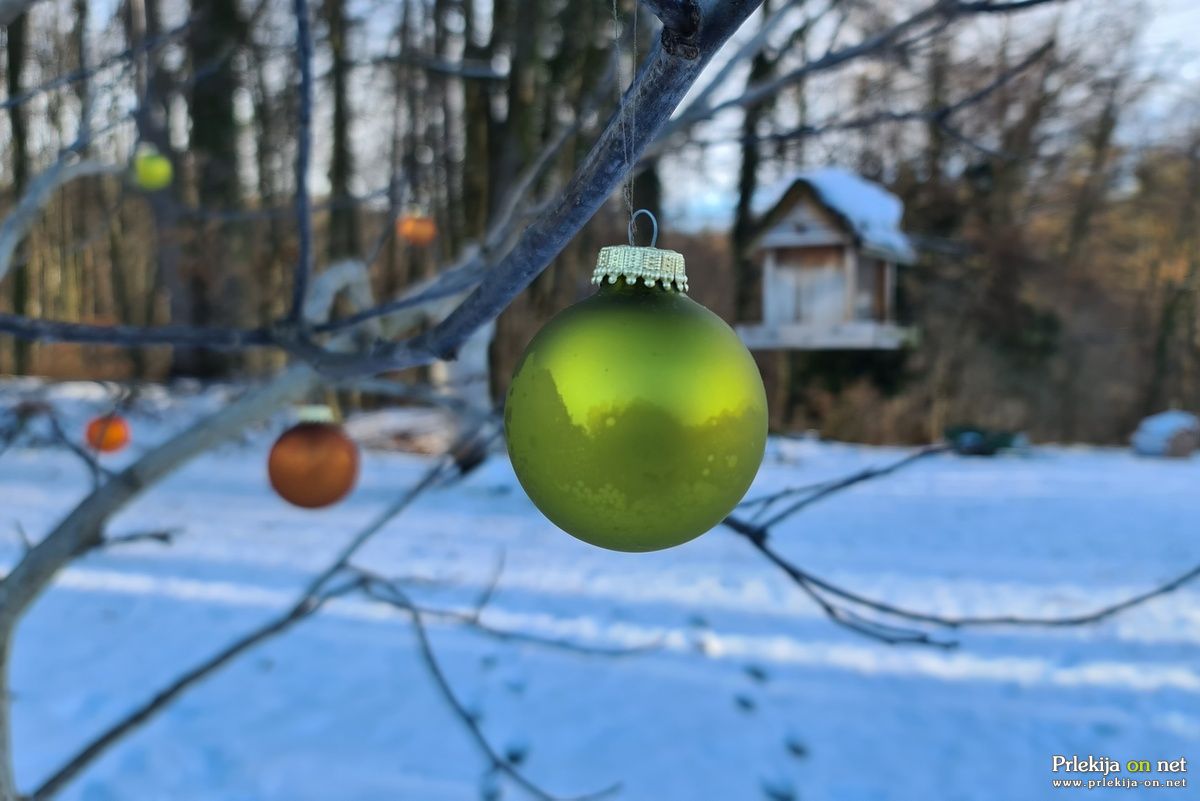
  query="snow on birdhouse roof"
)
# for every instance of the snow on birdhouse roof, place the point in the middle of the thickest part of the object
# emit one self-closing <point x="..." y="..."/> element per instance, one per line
<point x="871" y="212"/>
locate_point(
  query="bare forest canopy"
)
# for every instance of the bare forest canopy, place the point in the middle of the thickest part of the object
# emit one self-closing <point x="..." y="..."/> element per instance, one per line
<point x="1056" y="289"/>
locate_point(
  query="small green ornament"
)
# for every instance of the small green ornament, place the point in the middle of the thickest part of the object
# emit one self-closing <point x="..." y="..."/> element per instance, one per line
<point x="636" y="419"/>
<point x="151" y="169"/>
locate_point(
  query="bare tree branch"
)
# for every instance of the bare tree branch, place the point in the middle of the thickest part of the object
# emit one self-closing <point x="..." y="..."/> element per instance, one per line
<point x="84" y="525"/>
<point x="321" y="589"/>
<point x="315" y="594"/>
<point x="936" y="15"/>
<point x="748" y="50"/>
<point x="137" y="336"/>
<point x="468" y="69"/>
<point x="846" y="607"/>
<point x="998" y="7"/>
<point x="938" y="115"/>
<point x="83" y="73"/>
<point x="94" y="749"/>
<point x="849" y="481"/>
<point x="164" y="537"/>
<point x="394" y="595"/>
<point x="421" y="301"/>
<point x="473" y="620"/>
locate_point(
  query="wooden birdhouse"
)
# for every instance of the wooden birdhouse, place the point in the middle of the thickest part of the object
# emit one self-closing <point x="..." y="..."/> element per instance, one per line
<point x="829" y="248"/>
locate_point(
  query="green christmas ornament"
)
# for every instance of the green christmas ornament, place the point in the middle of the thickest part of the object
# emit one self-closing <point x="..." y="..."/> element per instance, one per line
<point x="151" y="169"/>
<point x="636" y="419"/>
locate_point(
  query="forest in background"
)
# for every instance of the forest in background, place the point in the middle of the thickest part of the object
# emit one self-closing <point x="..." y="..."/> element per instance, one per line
<point x="1055" y="214"/>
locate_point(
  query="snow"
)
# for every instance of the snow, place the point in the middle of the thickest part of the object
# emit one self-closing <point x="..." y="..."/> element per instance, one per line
<point x="749" y="689"/>
<point x="1155" y="434"/>
<point x="873" y="213"/>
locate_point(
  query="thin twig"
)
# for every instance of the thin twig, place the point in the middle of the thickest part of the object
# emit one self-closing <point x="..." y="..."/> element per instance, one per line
<point x="89" y="459"/>
<point x="393" y="595"/>
<point x="472" y="619"/>
<point x="163" y="537"/>
<point x="845" y="607"/>
<point x="164" y="697"/>
<point x="23" y="536"/>
<point x="937" y="15"/>
<point x="83" y="73"/>
<point x="940" y="115"/>
<point x="948" y="621"/>
<point x="849" y="481"/>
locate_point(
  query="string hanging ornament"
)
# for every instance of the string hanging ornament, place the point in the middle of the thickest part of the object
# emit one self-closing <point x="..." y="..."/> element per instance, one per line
<point x="636" y="419"/>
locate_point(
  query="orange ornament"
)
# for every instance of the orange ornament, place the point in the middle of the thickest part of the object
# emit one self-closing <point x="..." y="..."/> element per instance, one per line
<point x="108" y="433"/>
<point x="418" y="230"/>
<point x="313" y="465"/>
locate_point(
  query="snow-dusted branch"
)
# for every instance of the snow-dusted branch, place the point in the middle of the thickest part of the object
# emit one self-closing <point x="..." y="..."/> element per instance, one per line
<point x="820" y="492"/>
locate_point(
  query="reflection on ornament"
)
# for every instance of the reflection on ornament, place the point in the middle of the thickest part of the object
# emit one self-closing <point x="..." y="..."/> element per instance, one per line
<point x="314" y="463"/>
<point x="108" y="433"/>
<point x="636" y="419"/>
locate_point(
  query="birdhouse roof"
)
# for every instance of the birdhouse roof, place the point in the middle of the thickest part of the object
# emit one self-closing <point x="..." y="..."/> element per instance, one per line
<point x="870" y="212"/>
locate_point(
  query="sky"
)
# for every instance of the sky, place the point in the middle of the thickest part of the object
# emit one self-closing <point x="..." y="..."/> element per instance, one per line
<point x="1174" y="31"/>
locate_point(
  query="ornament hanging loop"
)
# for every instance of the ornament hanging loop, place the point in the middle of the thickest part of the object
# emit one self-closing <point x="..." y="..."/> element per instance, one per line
<point x="653" y="222"/>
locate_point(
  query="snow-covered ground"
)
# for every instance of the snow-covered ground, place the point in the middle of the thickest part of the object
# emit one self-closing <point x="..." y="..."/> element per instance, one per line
<point x="752" y="693"/>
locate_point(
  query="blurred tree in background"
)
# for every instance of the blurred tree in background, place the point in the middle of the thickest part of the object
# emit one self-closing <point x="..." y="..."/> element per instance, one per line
<point x="1057" y="285"/>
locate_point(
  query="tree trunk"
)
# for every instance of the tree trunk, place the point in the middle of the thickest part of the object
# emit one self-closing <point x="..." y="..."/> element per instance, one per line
<point x="343" y="220"/>
<point x="20" y="164"/>
<point x="208" y="293"/>
<point x="477" y="120"/>
<point x="747" y="272"/>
